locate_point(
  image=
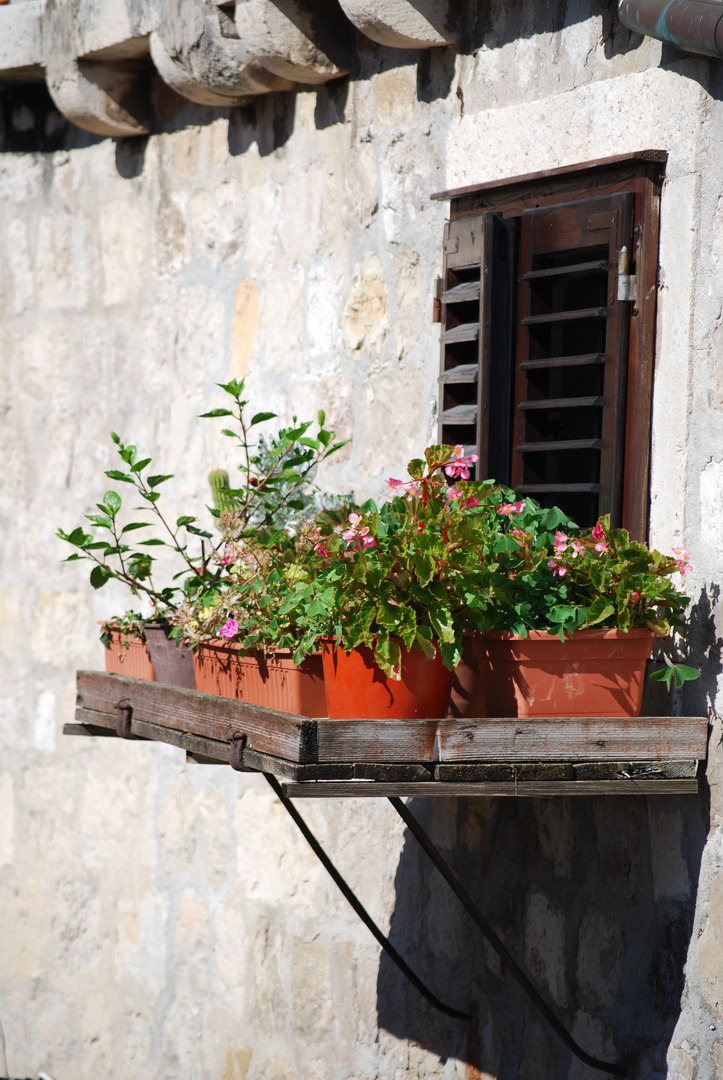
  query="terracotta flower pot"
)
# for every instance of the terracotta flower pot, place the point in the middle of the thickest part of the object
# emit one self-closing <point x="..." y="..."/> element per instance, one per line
<point x="595" y="673"/>
<point x="274" y="681"/>
<point x="173" y="663"/>
<point x="357" y="688"/>
<point x="129" y="656"/>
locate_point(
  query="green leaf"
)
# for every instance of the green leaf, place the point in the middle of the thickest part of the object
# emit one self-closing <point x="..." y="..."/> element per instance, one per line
<point x="152" y="543"/>
<point x="112" y="502"/>
<point x="260" y="417"/>
<point x="115" y="474"/>
<point x="98" y="576"/>
<point x="215" y="412"/>
<point x="154" y="481"/>
<point x="134" y="525"/>
<point x="185" y="520"/>
<point x="599" y="609"/>
<point x="140" y="465"/>
<point x="114" y="437"/>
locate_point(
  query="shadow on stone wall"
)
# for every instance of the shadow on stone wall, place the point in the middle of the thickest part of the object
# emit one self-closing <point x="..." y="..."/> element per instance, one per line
<point x="595" y="896"/>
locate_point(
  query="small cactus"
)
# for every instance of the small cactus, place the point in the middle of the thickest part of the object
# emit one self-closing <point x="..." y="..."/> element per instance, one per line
<point x="222" y="501"/>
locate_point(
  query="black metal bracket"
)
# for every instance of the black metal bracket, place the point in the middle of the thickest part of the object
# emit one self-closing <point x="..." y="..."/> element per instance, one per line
<point x="478" y="918"/>
<point x="124" y="714"/>
<point x="358" y="907"/>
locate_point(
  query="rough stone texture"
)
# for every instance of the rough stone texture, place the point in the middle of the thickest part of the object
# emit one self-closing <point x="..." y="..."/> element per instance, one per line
<point x="161" y="920"/>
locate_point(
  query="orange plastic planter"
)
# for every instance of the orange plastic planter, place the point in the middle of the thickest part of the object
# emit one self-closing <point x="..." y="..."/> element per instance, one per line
<point x="595" y="673"/>
<point x="134" y="661"/>
<point x="357" y="688"/>
<point x="274" y="681"/>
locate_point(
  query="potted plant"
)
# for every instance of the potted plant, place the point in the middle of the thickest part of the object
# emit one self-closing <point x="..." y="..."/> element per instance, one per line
<point x="276" y="485"/>
<point x="576" y="614"/>
<point x="127" y="651"/>
<point x="390" y="592"/>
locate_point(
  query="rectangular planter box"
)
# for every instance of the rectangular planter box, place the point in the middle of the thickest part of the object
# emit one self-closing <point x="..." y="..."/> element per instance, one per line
<point x="273" y="681"/>
<point x="129" y="656"/>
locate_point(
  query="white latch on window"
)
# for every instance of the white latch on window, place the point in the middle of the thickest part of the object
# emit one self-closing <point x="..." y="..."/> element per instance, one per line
<point x="627" y="283"/>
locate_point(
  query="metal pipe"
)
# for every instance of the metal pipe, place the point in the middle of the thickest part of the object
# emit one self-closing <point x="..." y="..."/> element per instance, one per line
<point x="502" y="951"/>
<point x="361" y="911"/>
<point x="691" y="25"/>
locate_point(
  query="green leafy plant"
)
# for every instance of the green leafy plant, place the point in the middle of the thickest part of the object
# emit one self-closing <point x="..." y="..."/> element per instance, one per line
<point x="675" y="673"/>
<point x="272" y="486"/>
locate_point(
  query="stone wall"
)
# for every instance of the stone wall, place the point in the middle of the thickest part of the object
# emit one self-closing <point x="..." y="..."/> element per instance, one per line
<point x="163" y="920"/>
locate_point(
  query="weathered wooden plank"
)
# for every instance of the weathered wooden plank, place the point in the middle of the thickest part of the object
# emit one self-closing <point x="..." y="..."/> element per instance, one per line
<point x="533" y="789"/>
<point x="217" y="718"/>
<point x="87" y="729"/>
<point x="649" y="738"/>
<point x="612" y="770"/>
<point x="388" y="741"/>
<point x="392" y="773"/>
<point x="523" y="773"/>
<point x="291" y="770"/>
<point x="201" y="759"/>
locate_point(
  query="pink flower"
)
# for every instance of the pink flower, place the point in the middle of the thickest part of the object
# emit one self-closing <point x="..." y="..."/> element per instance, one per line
<point x="561" y="540"/>
<point x="636" y="596"/>
<point x="472" y="501"/>
<point x="349" y="534"/>
<point x="229" y="629"/>
<point x="577" y="548"/>
<point x="602" y="546"/>
<point x="557" y="570"/>
<point x="597" y="533"/>
<point x="322" y="549"/>
<point x="354" y="519"/>
<point x="393" y="484"/>
<point x="518" y="532"/>
<point x="453" y="493"/>
<point x="368" y="541"/>
<point x="458" y="451"/>
<point x="413" y="488"/>
<point x="683" y="560"/>
<point x="512" y="508"/>
<point x="457" y="469"/>
<point x="472" y="459"/>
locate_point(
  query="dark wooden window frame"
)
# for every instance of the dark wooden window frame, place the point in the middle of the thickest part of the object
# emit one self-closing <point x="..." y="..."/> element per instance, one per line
<point x="638" y="176"/>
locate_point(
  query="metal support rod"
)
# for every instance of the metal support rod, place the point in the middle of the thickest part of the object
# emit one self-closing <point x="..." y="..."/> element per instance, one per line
<point x="358" y="907"/>
<point x="508" y="960"/>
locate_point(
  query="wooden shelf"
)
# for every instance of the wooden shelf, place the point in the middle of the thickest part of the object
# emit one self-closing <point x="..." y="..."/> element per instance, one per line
<point x="324" y="758"/>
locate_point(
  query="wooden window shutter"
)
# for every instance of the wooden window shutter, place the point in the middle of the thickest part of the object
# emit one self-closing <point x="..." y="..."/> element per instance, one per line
<point x="574" y="302"/>
<point x="476" y="308"/>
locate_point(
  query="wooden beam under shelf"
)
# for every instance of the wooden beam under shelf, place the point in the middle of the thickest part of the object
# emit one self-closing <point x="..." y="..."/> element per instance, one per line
<point x="360" y="789"/>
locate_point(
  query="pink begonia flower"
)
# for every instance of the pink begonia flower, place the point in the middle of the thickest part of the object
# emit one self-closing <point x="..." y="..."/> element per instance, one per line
<point x="636" y="596"/>
<point x="453" y="493"/>
<point x="597" y="533"/>
<point x="393" y="484"/>
<point x="458" y="451"/>
<point x="683" y="560"/>
<point x="561" y="540"/>
<point x="322" y="549"/>
<point x="472" y="459"/>
<point x="349" y="534"/>
<point x="368" y="541"/>
<point x="517" y="532"/>
<point x="457" y="469"/>
<point x="602" y="546"/>
<point x="512" y="508"/>
<point x="472" y="501"/>
<point x="557" y="570"/>
<point x="577" y="548"/>
<point x="354" y="519"/>
<point x="229" y="629"/>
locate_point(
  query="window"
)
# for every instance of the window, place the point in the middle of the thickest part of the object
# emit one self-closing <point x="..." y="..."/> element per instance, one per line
<point x="547" y="305"/>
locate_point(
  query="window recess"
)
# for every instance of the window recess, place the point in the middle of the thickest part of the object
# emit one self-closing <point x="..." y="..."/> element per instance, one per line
<point x="547" y="308"/>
